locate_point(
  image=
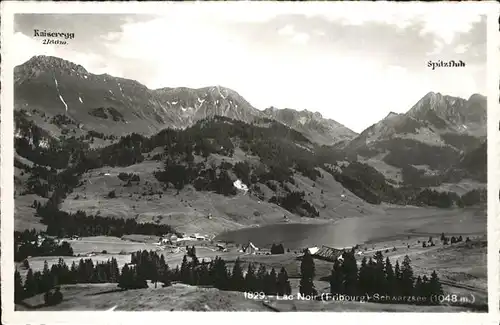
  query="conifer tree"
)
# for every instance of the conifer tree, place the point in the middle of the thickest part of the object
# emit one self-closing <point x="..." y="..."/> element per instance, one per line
<point x="155" y="271"/>
<point x="185" y="271"/>
<point x="251" y="278"/>
<point x="18" y="287"/>
<point x="419" y="287"/>
<point x="47" y="280"/>
<point x="283" y="285"/>
<point x="139" y="281"/>
<point x="203" y="273"/>
<point x="162" y="261"/>
<point x="407" y="278"/>
<point x="125" y="279"/>
<point x="192" y="252"/>
<point x="221" y="274"/>
<point x="350" y="271"/>
<point x="38" y="281"/>
<point x="261" y="277"/>
<point x="114" y="271"/>
<point x="364" y="277"/>
<point x="271" y="281"/>
<point x="337" y="278"/>
<point x="397" y="278"/>
<point x="176" y="274"/>
<point x="379" y="277"/>
<point x="307" y="273"/>
<point x="74" y="273"/>
<point x="435" y="285"/>
<point x="390" y="277"/>
<point x="424" y="289"/>
<point x="237" y="279"/>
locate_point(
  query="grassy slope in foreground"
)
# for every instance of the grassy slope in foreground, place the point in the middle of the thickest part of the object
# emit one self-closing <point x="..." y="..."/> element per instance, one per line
<point x="181" y="297"/>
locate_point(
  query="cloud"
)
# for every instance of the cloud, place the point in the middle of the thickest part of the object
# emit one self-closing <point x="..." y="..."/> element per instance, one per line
<point x="461" y="48"/>
<point x="287" y="30"/>
<point x="294" y="36"/>
<point x="301" y="38"/>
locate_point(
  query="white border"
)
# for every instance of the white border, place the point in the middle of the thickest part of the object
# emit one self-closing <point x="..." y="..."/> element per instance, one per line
<point x="493" y="160"/>
<point x="8" y="8"/>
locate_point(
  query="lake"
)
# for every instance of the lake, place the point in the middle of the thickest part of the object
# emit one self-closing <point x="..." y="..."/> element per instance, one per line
<point x="396" y="223"/>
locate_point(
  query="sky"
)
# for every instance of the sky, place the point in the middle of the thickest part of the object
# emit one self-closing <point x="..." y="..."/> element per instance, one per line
<point x="353" y="64"/>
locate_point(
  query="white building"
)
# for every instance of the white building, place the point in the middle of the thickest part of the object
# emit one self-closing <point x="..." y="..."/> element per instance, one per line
<point x="240" y="186"/>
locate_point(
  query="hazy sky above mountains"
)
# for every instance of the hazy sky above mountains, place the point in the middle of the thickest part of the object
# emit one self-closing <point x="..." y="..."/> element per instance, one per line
<point x="352" y="63"/>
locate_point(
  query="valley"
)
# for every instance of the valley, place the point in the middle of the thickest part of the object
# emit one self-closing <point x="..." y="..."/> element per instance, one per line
<point x="120" y="168"/>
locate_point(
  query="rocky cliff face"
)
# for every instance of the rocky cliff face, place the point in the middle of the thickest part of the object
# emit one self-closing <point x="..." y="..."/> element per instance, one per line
<point x="313" y="125"/>
<point x="118" y="106"/>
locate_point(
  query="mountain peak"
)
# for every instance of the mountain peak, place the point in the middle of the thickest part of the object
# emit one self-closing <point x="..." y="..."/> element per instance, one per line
<point x="312" y="124"/>
<point x="391" y="115"/>
<point x="477" y="97"/>
<point x="434" y="102"/>
<point x="432" y="94"/>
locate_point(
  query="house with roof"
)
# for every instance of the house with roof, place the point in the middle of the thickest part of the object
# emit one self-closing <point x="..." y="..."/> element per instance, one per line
<point x="250" y="248"/>
<point x="327" y="253"/>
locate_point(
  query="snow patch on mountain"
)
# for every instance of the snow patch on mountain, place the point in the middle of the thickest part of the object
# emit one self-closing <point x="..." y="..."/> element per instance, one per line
<point x="303" y="147"/>
<point x="220" y="93"/>
<point x="80" y="99"/>
<point x="60" y="96"/>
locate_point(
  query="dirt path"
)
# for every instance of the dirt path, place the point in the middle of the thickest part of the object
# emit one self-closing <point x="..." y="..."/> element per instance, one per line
<point x="271" y="308"/>
<point x="463" y="286"/>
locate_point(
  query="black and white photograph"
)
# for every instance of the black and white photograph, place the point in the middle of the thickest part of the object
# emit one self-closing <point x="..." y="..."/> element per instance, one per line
<point x="249" y="157"/>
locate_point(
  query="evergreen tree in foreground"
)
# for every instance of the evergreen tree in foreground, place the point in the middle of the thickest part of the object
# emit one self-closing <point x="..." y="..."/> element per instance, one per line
<point x="261" y="277"/>
<point x="435" y="285"/>
<point x="407" y="277"/>
<point x="307" y="272"/>
<point x="337" y="278"/>
<point x="125" y="279"/>
<point x="283" y="285"/>
<point x="364" y="278"/>
<point x="251" y="279"/>
<point x="397" y="278"/>
<point x="18" y="287"/>
<point x="390" y="277"/>
<point x="379" y="276"/>
<point x="237" y="279"/>
<point x="270" y="283"/>
<point x="350" y="271"/>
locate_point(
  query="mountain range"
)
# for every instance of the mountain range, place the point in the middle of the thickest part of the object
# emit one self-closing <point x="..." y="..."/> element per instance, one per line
<point x="440" y="140"/>
<point x="109" y="104"/>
